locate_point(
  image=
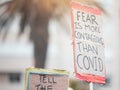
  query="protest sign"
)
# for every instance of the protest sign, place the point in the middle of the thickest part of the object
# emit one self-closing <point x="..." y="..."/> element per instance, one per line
<point x="40" y="79"/>
<point x="88" y="43"/>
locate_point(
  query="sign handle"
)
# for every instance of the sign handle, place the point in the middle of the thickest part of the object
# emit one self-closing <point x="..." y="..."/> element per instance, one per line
<point x="91" y="86"/>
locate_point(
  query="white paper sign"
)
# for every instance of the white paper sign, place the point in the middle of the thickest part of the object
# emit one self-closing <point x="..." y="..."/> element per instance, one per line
<point x="88" y="43"/>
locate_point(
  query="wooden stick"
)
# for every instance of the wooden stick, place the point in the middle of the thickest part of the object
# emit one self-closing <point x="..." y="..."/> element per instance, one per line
<point x="91" y="86"/>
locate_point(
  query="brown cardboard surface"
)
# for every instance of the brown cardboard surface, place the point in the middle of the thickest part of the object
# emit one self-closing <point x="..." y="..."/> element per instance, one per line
<point x="48" y="82"/>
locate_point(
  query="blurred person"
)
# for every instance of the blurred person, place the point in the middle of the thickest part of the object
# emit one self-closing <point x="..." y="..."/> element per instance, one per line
<point x="36" y="14"/>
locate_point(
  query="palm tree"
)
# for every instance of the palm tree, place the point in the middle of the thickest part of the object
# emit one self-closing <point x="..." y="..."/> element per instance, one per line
<point x="36" y="15"/>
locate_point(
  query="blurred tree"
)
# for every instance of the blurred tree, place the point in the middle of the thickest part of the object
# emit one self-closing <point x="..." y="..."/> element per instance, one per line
<point x="36" y="14"/>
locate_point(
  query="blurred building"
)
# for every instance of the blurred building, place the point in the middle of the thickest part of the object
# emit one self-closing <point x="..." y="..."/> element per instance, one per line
<point x="16" y="54"/>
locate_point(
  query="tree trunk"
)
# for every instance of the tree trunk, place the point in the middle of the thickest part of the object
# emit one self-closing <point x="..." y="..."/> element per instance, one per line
<point x="39" y="36"/>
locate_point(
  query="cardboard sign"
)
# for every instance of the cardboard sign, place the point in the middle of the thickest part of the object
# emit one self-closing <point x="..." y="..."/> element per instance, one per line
<point x="88" y="44"/>
<point x="40" y="79"/>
